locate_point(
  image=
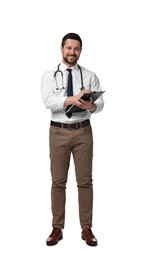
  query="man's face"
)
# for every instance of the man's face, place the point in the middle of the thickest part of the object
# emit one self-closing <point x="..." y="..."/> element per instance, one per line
<point x="71" y="52"/>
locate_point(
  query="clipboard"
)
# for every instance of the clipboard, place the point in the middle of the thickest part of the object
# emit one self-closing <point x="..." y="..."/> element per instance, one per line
<point x="86" y="96"/>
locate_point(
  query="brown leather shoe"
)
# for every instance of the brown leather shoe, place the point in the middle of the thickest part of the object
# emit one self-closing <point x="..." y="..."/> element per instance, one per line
<point x="54" y="237"/>
<point x="89" y="238"/>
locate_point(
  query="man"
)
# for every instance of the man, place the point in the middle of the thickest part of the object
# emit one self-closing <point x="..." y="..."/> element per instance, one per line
<point x="71" y="133"/>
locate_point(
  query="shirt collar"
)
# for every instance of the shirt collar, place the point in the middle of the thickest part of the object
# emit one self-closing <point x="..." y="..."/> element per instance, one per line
<point x="63" y="67"/>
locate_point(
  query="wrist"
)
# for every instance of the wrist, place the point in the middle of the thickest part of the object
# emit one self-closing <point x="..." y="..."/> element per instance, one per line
<point x="69" y="100"/>
<point x="92" y="110"/>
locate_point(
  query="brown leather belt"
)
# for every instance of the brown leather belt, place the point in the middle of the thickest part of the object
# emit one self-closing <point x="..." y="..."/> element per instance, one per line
<point x="71" y="126"/>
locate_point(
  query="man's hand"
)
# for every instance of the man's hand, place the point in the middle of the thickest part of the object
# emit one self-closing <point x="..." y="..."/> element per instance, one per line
<point x="81" y="93"/>
<point x="72" y="99"/>
<point x="89" y="105"/>
<point x="79" y="102"/>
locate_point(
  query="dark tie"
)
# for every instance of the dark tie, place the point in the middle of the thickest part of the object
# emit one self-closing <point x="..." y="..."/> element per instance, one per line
<point x="69" y="88"/>
<point x="70" y="84"/>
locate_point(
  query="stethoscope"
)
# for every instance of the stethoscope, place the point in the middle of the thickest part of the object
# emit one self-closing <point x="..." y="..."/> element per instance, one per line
<point x="59" y="71"/>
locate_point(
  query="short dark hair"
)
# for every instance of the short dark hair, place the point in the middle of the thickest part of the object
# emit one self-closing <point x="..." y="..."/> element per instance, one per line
<point x="73" y="36"/>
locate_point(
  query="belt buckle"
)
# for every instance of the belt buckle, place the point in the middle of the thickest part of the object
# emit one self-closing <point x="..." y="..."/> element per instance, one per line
<point x="70" y="126"/>
<point x="74" y="126"/>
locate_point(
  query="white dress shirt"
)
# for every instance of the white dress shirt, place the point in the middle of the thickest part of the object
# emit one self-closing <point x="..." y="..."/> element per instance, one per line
<point x="54" y="92"/>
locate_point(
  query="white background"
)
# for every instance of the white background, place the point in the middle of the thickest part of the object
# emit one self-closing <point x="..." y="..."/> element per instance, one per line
<point x="31" y="33"/>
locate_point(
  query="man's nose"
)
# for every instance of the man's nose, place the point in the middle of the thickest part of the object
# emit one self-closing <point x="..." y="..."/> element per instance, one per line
<point x="72" y="51"/>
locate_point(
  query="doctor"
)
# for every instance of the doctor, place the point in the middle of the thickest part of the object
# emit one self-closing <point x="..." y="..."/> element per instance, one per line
<point x="61" y="88"/>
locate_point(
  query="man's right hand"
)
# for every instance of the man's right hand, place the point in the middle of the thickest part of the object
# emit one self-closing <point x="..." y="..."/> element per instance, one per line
<point x="74" y="99"/>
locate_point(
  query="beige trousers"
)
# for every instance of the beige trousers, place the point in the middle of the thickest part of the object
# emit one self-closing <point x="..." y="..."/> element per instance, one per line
<point x="79" y="142"/>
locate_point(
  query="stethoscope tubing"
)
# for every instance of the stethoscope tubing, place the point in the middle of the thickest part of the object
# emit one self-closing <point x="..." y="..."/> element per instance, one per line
<point x="59" y="71"/>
